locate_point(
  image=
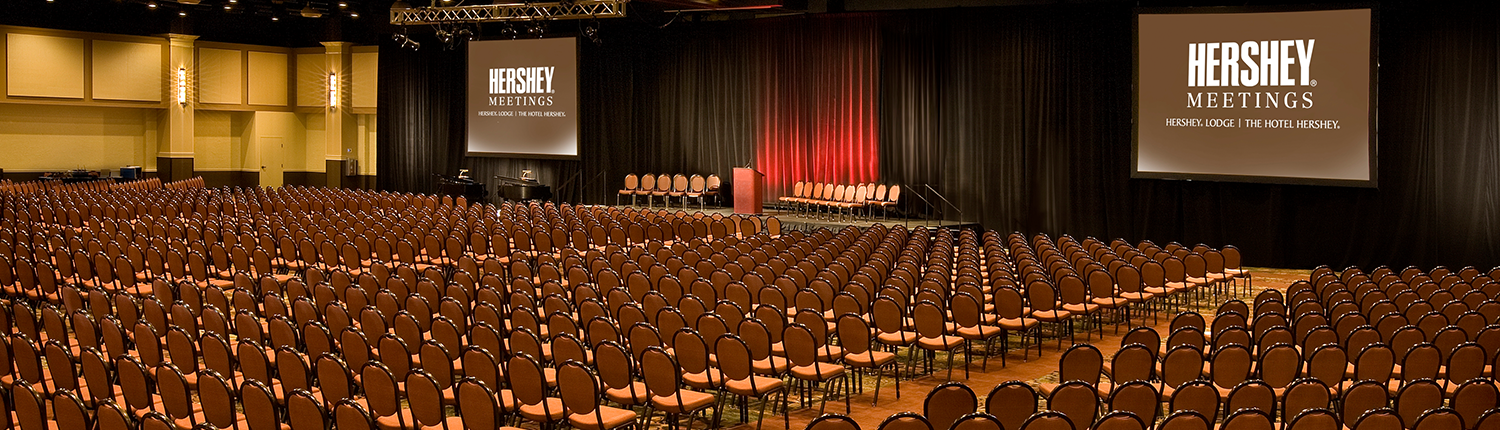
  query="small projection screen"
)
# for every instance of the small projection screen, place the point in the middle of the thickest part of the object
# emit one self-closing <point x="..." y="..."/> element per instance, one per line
<point x="1255" y="96"/>
<point x="523" y="98"/>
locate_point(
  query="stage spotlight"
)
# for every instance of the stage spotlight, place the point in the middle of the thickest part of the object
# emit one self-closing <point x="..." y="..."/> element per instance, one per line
<point x="406" y="41"/>
<point x="591" y="31"/>
<point x="509" y="31"/>
<point x="464" y="34"/>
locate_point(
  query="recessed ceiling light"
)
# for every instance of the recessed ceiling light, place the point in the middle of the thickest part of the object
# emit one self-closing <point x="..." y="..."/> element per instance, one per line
<point x="181" y="13"/>
<point x="151" y="5"/>
<point x="275" y="18"/>
<point x="354" y="15"/>
<point x="343" y="4"/>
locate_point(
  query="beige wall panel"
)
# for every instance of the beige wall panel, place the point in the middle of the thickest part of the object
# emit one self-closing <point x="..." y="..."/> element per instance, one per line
<point x="128" y="71"/>
<point x="268" y="79"/>
<point x="316" y="145"/>
<point x="312" y="80"/>
<point x="44" y="66"/>
<point x="218" y="141"/>
<point x="46" y="138"/>
<point x="366" y="73"/>
<point x="220" y="76"/>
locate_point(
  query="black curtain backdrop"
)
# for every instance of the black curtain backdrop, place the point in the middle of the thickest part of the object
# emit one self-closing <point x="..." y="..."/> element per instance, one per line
<point x="1020" y="116"/>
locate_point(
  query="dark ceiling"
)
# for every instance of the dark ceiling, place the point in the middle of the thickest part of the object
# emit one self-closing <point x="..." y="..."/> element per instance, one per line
<point x="281" y="23"/>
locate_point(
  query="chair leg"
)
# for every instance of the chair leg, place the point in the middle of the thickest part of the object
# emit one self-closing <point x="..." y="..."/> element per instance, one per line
<point x="848" y="394"/>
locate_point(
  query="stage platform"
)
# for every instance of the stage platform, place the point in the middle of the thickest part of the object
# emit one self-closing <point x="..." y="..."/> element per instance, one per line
<point x="791" y="220"/>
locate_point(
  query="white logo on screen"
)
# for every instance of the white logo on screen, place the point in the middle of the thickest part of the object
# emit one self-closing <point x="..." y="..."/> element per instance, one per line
<point x="1265" y="63"/>
<point x="521" y="80"/>
<point x="1249" y="64"/>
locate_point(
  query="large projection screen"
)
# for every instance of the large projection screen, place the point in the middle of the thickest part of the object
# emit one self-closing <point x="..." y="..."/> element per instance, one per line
<point x="523" y="98"/>
<point x="1255" y="96"/>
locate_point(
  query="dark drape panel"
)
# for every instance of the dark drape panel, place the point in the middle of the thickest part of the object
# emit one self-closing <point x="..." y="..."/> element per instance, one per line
<point x="421" y="117"/>
<point x="1020" y="116"/>
<point x="1007" y="116"/>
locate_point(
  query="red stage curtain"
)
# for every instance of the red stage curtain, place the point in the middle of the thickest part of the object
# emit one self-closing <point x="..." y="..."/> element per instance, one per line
<point x="818" y="114"/>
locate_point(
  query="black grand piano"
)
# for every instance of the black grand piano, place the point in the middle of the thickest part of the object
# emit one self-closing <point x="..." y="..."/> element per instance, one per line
<point x="518" y="189"/>
<point x="461" y="186"/>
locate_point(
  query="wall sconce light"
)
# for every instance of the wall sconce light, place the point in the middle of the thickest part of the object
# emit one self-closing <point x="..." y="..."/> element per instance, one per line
<point x="182" y="98"/>
<point x="333" y="90"/>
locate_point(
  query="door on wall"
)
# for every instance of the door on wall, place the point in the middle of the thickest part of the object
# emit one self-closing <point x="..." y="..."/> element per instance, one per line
<point x="271" y="154"/>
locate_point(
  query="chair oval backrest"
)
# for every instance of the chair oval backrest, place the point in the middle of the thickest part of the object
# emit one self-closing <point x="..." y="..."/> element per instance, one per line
<point x="1251" y="394"/>
<point x="905" y="421"/>
<point x="1474" y="398"/>
<point x="1378" y="419"/>
<point x="949" y="401"/>
<point x="978" y="421"/>
<point x="1012" y="402"/>
<point x="1198" y="396"/>
<point x="1180" y="365"/>
<point x="1137" y="397"/>
<point x="579" y="387"/>
<point x="1315" y="419"/>
<point x="1438" y="419"/>
<point x="1304" y="395"/>
<point x="1249" y="419"/>
<point x="1081" y="362"/>
<point x="1361" y="398"/>
<point x="1077" y="399"/>
<point x="833" y="422"/>
<point x="1185" y="420"/>
<point x="1049" y="420"/>
<point x="1417" y="397"/>
<point x="1120" y="420"/>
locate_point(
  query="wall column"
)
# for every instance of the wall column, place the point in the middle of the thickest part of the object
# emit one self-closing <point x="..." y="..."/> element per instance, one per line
<point x="174" y="158"/>
<point x="341" y="133"/>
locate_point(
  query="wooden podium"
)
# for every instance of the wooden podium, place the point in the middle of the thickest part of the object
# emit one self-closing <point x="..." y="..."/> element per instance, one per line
<point x="748" y="190"/>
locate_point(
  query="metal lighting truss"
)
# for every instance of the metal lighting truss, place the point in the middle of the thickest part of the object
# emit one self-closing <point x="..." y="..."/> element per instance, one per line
<point x="532" y="11"/>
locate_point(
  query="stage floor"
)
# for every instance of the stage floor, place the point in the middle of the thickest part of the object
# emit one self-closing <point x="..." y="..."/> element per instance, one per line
<point x="791" y="220"/>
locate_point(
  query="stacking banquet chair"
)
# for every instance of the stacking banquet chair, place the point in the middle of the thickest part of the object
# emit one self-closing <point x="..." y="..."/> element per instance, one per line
<point x="740" y="379"/>
<point x="932" y="335"/>
<point x="632" y="184"/>
<point x="583" y="396"/>
<point x="478" y="407"/>
<point x="802" y="351"/>
<point x="854" y="336"/>
<point x="664" y="380"/>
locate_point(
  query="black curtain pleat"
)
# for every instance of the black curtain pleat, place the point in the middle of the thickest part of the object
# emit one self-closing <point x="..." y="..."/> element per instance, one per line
<point x="1018" y="116"/>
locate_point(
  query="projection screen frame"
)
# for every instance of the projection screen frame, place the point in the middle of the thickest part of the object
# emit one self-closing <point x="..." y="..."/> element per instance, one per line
<point x="1374" y="69"/>
<point x="577" y="107"/>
